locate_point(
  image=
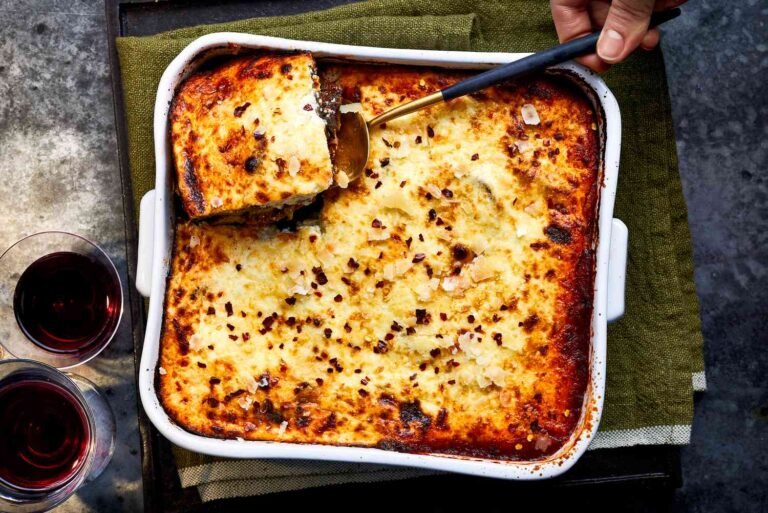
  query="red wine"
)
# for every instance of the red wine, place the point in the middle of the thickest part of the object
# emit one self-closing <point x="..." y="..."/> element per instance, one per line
<point x="44" y="434"/>
<point x="66" y="302"/>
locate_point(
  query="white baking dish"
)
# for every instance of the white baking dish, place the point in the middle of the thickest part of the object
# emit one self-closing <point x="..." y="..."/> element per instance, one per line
<point x="156" y="236"/>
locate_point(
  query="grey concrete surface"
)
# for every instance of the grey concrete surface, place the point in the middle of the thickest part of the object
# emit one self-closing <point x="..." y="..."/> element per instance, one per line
<point x="717" y="63"/>
<point x="58" y="170"/>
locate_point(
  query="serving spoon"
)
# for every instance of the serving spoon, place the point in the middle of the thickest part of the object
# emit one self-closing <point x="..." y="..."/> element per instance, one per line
<point x="353" y="136"/>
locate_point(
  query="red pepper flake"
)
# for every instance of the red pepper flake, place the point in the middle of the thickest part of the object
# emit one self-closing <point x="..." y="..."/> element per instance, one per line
<point x="470" y="318"/>
<point x="434" y="353"/>
<point x="336" y="365"/>
<point x="322" y="279"/>
<point x="389" y="336"/>
<point x="412" y="377"/>
<point x="233" y="337"/>
<point x="421" y="237"/>
<point x="319" y="381"/>
<point x="347" y="327"/>
<point x="386" y="143"/>
<point x="529" y="323"/>
<point x="338" y="298"/>
<point x="418" y="257"/>
<point x="358" y="371"/>
<point x="443" y="316"/>
<point x="378" y="184"/>
<point x="497" y="338"/>
<point x="559" y="136"/>
<point x="365" y="381"/>
<point x="211" y="310"/>
<point x="268" y="322"/>
<point x="375" y="176"/>
<point x="368" y="171"/>
<point x="238" y="267"/>
<point x="447" y="193"/>
<point x="422" y="316"/>
<point x="381" y="347"/>
<point x="213" y="402"/>
<point x="379" y="284"/>
<point x="228" y="307"/>
<point x="308" y="107"/>
<point x="363" y="392"/>
<point x="402" y="184"/>
<point x="418" y="139"/>
<point x="428" y="196"/>
<point x="353" y="263"/>
<point x="475" y="156"/>
<point x="430" y="131"/>
<point x="201" y="365"/>
<point x="451" y="381"/>
<point x="408" y="242"/>
<point x="479" y="328"/>
<point x="422" y="366"/>
<point x="432" y="215"/>
<point x="312" y="238"/>
<point x="290" y="321"/>
<point x="410" y="330"/>
<point x="231" y="328"/>
<point x="327" y="332"/>
<point x="376" y="223"/>
<point x="246" y="336"/>
<point x="496" y="318"/>
<point x="395" y="326"/>
<point x="384" y="162"/>
<point x="429" y="270"/>
<point x="239" y="110"/>
<point x="290" y="300"/>
<point x="437" y="370"/>
<point x="214" y="381"/>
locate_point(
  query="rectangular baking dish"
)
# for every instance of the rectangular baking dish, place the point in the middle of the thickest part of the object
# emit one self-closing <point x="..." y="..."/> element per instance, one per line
<point x="156" y="228"/>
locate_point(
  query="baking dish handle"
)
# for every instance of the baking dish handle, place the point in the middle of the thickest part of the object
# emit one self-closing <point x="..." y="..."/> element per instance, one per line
<point x="146" y="246"/>
<point x="617" y="270"/>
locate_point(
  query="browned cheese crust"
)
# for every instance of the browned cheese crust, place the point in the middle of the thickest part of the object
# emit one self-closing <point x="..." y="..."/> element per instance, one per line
<point x="248" y="138"/>
<point x="441" y="303"/>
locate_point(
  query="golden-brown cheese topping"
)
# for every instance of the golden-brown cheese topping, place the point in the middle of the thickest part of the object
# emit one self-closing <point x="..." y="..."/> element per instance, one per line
<point x="247" y="134"/>
<point x="441" y="303"/>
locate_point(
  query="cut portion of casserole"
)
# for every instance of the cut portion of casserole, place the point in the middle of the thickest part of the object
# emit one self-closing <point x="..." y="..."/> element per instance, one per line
<point x="248" y="138"/>
<point x="441" y="303"/>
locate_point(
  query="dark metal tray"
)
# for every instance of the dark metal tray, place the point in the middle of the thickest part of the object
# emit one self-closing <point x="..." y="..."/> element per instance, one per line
<point x="643" y="475"/>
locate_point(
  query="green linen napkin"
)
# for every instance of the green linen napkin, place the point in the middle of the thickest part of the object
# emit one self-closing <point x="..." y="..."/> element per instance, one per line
<point x="655" y="359"/>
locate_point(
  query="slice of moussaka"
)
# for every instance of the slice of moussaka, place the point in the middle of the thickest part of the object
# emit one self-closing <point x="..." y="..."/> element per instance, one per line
<point x="248" y="138"/>
<point x="441" y="303"/>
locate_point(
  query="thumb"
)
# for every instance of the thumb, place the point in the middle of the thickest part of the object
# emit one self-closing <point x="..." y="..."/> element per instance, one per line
<point x="624" y="28"/>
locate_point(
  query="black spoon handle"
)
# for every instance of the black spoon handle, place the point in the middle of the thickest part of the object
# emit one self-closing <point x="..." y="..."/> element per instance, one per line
<point x="539" y="61"/>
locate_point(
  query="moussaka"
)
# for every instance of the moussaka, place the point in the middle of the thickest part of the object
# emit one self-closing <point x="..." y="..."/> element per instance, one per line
<point x="440" y="303"/>
<point x="249" y="139"/>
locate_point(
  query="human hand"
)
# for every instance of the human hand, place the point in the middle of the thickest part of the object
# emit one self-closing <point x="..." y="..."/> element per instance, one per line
<point x="624" y="26"/>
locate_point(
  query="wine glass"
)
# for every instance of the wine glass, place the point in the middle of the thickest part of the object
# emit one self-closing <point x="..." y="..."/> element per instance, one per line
<point x="61" y="299"/>
<point x="56" y="433"/>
